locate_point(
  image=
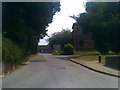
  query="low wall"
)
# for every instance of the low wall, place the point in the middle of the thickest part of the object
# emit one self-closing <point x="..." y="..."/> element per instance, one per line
<point x="113" y="61"/>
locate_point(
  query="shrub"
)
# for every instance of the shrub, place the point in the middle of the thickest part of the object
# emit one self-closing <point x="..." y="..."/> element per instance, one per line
<point x="68" y="49"/>
<point x="11" y="53"/>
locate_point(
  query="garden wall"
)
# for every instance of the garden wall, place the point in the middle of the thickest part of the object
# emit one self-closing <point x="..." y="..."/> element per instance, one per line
<point x="113" y="61"/>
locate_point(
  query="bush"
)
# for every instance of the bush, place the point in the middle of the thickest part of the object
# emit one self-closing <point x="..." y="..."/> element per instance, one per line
<point x="11" y="53"/>
<point x="68" y="49"/>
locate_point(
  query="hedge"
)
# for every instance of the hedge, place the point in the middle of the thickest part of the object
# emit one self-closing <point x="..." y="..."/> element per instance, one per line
<point x="68" y="49"/>
<point x="11" y="52"/>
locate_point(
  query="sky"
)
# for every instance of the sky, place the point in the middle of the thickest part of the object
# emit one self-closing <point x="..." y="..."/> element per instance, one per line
<point x="61" y="20"/>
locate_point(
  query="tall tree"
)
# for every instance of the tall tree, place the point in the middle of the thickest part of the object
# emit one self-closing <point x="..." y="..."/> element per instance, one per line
<point x="101" y="18"/>
<point x="24" y="23"/>
<point x="62" y="38"/>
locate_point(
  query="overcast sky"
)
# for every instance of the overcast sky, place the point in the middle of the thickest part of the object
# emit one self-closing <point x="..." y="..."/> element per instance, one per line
<point x="62" y="19"/>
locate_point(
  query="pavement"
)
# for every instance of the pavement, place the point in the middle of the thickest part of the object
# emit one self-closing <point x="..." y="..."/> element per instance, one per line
<point x="92" y="65"/>
<point x="96" y="66"/>
<point x="56" y="71"/>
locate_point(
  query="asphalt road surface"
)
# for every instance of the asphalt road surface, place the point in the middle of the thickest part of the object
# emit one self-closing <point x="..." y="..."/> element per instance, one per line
<point x="48" y="71"/>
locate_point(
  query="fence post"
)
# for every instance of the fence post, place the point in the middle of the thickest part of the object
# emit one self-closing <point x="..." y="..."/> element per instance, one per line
<point x="99" y="58"/>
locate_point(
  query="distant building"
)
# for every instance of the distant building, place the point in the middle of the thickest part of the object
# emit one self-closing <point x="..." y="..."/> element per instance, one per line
<point x="56" y="47"/>
<point x="44" y="49"/>
<point x="82" y="42"/>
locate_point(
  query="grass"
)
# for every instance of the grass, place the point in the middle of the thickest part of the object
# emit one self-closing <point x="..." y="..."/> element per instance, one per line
<point x="82" y="53"/>
<point x="92" y="56"/>
<point x="85" y="53"/>
<point x="89" y="55"/>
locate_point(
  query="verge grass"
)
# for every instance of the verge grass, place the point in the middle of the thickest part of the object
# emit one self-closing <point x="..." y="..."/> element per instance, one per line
<point x="92" y="56"/>
<point x="86" y="53"/>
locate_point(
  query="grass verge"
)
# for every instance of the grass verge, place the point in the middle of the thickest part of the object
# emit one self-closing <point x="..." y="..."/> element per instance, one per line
<point x="92" y="56"/>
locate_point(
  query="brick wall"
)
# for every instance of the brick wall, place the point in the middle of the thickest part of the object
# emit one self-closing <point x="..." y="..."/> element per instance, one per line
<point x="80" y="38"/>
<point x="113" y="61"/>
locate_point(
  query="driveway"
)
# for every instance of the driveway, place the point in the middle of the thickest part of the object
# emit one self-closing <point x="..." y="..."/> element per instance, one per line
<point x="48" y="71"/>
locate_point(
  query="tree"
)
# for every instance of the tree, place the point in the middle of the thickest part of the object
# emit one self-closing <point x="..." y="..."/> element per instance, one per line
<point x="62" y="38"/>
<point x="102" y="19"/>
<point x="24" y="23"/>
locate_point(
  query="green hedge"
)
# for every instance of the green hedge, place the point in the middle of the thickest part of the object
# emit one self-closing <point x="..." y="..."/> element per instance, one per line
<point x="11" y="52"/>
<point x="68" y="49"/>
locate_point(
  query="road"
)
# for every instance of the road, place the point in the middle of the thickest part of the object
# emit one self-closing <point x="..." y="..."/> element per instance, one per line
<point x="48" y="71"/>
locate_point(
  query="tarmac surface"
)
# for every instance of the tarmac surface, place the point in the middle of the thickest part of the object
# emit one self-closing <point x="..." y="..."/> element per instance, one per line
<point x="49" y="71"/>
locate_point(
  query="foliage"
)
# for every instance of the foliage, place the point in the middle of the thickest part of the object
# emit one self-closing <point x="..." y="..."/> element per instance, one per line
<point x="102" y="19"/>
<point x="68" y="49"/>
<point x="62" y="38"/>
<point x="24" y="24"/>
<point x="11" y="52"/>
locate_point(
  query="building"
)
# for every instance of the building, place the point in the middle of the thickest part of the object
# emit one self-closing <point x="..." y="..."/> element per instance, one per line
<point x="56" y="48"/>
<point x="44" y="49"/>
<point x="82" y="42"/>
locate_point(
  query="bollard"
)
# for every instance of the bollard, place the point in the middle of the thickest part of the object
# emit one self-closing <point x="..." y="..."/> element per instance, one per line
<point x="99" y="58"/>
